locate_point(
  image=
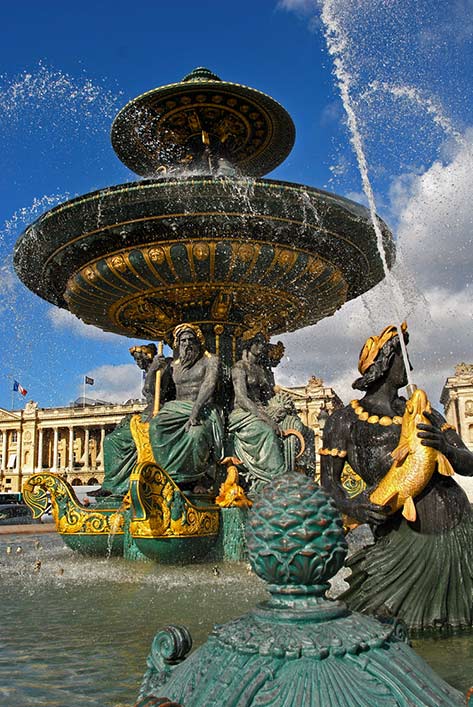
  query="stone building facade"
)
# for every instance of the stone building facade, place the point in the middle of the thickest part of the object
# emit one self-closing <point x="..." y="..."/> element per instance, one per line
<point x="457" y="400"/>
<point x="69" y="440"/>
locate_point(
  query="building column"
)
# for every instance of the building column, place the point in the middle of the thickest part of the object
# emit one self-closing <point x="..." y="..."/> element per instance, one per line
<point x="70" y="455"/>
<point x="40" y="449"/>
<point x="86" y="466"/>
<point x="100" y="452"/>
<point x="55" y="449"/>
<point x="4" y="450"/>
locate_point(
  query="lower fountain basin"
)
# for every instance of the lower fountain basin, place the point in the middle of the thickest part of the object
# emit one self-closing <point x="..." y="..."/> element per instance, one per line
<point x="77" y="631"/>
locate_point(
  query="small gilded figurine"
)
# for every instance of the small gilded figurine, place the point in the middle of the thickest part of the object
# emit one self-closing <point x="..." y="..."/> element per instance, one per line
<point x="420" y="566"/>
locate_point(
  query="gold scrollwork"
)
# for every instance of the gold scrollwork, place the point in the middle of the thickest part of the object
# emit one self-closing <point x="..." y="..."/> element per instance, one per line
<point x="351" y="482"/>
<point x="167" y="512"/>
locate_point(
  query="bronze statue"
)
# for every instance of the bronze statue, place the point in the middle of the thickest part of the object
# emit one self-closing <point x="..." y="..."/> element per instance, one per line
<point x="186" y="435"/>
<point x="420" y="570"/>
<point x="119" y="450"/>
<point x="256" y="436"/>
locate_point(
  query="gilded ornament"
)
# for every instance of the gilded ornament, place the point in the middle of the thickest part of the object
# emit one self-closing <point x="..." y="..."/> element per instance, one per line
<point x="162" y="510"/>
<point x="201" y="251"/>
<point x="414" y="463"/>
<point x="246" y="252"/>
<point x="118" y="263"/>
<point x="157" y="255"/>
<point x="352" y="483"/>
<point x="333" y="452"/>
<point x="90" y="274"/>
<point x="316" y="266"/>
<point x="364" y="416"/>
<point x="385" y="421"/>
<point x="374" y="344"/>
<point x="230" y="493"/>
<point x="287" y="257"/>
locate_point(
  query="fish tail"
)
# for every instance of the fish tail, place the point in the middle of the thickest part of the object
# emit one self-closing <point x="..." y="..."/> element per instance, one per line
<point x="409" y="510"/>
<point x="444" y="466"/>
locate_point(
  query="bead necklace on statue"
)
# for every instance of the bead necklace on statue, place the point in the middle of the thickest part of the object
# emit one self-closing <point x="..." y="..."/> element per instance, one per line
<point x="383" y="420"/>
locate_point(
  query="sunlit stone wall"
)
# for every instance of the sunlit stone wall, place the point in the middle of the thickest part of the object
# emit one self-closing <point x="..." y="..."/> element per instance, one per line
<point x="457" y="399"/>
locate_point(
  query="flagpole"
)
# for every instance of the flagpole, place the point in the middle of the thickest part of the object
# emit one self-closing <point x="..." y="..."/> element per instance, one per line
<point x="83" y="395"/>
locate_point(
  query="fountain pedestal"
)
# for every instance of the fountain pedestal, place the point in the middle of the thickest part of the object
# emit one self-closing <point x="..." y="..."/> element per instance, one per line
<point x="298" y="648"/>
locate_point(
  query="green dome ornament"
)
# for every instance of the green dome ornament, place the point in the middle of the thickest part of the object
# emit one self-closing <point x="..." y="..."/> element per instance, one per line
<point x="297" y="648"/>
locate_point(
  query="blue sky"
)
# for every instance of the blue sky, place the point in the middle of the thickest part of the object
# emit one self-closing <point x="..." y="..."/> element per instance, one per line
<point x="67" y="69"/>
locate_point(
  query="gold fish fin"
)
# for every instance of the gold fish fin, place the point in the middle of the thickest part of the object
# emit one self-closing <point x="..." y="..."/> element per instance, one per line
<point x="409" y="511"/>
<point x="400" y="453"/>
<point x="444" y="466"/>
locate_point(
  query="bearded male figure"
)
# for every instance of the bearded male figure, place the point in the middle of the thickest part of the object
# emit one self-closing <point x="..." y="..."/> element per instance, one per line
<point x="187" y="433"/>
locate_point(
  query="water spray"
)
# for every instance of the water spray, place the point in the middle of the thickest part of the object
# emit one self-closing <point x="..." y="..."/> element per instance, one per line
<point x="337" y="45"/>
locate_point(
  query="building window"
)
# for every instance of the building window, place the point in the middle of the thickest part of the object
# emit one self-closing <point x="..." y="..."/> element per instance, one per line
<point x="14" y="436"/>
<point x="11" y="461"/>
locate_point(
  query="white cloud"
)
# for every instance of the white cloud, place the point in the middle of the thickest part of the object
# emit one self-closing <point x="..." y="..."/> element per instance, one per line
<point x="436" y="224"/>
<point x="113" y="383"/>
<point x="63" y="319"/>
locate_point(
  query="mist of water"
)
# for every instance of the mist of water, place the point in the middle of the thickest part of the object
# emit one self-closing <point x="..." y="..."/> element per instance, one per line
<point x="337" y="44"/>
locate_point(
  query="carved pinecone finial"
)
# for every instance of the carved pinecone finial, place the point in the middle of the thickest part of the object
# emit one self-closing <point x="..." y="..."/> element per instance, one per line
<point x="295" y="536"/>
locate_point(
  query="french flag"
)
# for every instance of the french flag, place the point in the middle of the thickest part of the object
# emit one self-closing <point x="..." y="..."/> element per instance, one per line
<point x="19" y="388"/>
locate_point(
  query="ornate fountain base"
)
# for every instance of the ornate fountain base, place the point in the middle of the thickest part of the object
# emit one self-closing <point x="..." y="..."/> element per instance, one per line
<point x="155" y="521"/>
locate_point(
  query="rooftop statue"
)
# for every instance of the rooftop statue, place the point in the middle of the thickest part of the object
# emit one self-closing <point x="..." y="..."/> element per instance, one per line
<point x="420" y="566"/>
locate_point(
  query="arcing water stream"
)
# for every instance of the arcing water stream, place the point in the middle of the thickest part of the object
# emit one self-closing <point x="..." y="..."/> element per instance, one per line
<point x="337" y="45"/>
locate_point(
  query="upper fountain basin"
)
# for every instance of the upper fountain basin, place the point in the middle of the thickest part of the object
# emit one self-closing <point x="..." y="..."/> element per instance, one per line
<point x="139" y="258"/>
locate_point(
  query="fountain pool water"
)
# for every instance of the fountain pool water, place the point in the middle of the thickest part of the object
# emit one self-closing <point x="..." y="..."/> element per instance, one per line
<point x="112" y="609"/>
<point x="79" y="633"/>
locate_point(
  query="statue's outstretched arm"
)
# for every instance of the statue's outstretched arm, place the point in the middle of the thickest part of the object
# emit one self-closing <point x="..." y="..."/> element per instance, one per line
<point x="443" y="437"/>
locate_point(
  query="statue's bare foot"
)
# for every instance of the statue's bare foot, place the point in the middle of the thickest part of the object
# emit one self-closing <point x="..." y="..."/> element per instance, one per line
<point x="199" y="489"/>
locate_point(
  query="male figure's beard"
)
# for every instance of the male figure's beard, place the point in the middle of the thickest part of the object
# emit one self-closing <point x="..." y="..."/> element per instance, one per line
<point x="189" y="356"/>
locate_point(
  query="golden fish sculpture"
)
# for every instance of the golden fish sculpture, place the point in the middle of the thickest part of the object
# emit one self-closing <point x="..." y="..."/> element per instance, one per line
<point x="414" y="463"/>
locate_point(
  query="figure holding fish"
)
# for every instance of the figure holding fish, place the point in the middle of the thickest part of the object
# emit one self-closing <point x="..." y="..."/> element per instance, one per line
<point x="420" y="566"/>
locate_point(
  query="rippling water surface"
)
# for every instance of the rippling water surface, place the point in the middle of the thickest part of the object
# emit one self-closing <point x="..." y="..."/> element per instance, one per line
<point x="77" y="631"/>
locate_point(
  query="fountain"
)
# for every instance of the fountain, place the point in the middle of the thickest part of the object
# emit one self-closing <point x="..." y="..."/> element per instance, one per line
<point x="201" y="241"/>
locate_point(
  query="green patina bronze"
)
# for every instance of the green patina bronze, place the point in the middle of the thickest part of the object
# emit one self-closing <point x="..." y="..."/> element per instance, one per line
<point x="203" y="243"/>
<point x="297" y="648"/>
